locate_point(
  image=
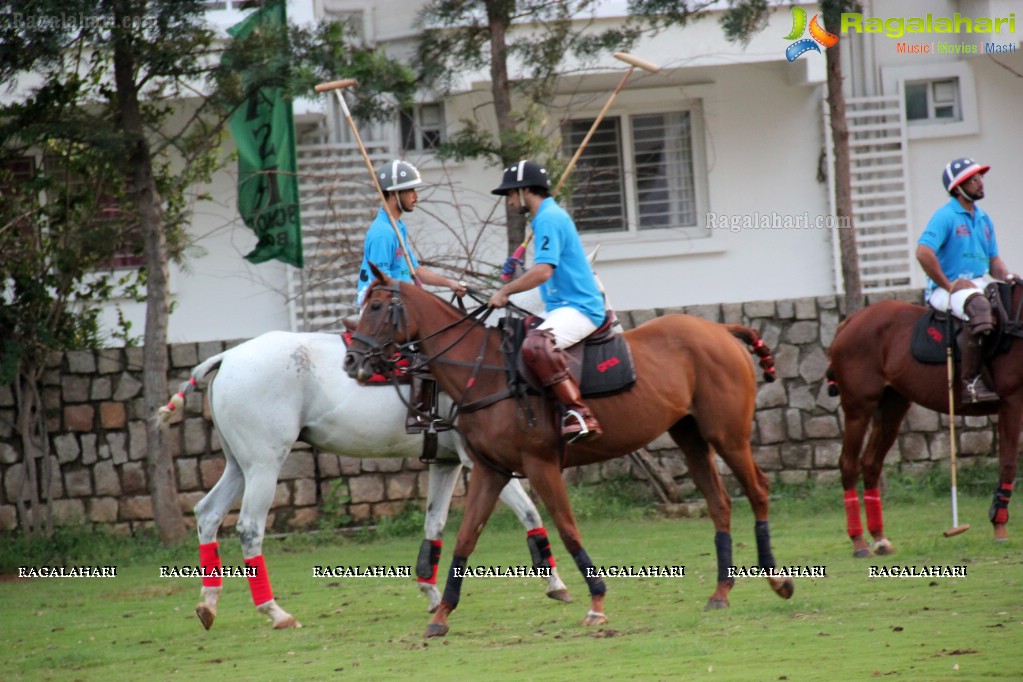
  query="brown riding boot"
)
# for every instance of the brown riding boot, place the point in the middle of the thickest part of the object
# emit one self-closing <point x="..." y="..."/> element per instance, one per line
<point x="579" y="425"/>
<point x="979" y="322"/>
<point x="421" y="416"/>
<point x="975" y="390"/>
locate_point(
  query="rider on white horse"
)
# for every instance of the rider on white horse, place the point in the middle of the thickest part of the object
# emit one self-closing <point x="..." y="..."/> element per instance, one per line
<point x="388" y="249"/>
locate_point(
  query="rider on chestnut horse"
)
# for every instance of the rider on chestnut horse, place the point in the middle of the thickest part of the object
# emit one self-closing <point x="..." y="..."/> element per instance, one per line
<point x="959" y="253"/>
<point x="574" y="302"/>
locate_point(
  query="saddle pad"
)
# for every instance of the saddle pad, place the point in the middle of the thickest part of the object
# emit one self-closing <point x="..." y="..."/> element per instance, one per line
<point x="928" y="343"/>
<point x="607" y="368"/>
<point x="603" y="367"/>
<point x="383" y="379"/>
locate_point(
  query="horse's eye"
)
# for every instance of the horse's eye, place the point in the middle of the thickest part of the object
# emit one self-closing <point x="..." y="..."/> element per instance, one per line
<point x="376" y="305"/>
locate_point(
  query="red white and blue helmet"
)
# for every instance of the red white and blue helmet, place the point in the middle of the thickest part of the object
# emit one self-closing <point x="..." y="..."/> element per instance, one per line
<point x="959" y="171"/>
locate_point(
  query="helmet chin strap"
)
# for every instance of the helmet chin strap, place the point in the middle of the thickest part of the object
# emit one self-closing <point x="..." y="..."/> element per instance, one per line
<point x="966" y="195"/>
<point x="523" y="208"/>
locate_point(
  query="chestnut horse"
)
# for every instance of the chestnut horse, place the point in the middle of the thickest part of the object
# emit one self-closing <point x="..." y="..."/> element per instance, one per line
<point x="695" y="380"/>
<point x="877" y="381"/>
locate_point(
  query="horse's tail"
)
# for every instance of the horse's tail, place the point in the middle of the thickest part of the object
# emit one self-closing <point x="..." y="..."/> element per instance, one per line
<point x="830" y="373"/>
<point x="198" y="372"/>
<point x="751" y="338"/>
<point x="832" y="383"/>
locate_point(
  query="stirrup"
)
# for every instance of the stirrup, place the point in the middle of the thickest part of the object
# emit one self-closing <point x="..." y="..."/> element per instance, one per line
<point x="584" y="433"/>
<point x="973" y="395"/>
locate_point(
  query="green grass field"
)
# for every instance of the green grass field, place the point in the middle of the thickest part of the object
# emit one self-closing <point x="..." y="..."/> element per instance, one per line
<point x="846" y="626"/>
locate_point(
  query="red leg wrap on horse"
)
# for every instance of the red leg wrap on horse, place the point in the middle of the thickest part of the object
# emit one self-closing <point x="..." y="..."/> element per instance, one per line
<point x="209" y="559"/>
<point x="852" y="514"/>
<point x="259" y="582"/>
<point x="429" y="558"/>
<point x="540" y="547"/>
<point x="999" y="511"/>
<point x="872" y="501"/>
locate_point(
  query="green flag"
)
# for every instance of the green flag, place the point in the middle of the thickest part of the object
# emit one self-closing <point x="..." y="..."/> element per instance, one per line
<point x="264" y="132"/>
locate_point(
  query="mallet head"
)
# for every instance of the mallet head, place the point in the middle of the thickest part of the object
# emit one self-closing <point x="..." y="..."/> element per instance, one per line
<point x="636" y="61"/>
<point x="957" y="530"/>
<point x="335" y="85"/>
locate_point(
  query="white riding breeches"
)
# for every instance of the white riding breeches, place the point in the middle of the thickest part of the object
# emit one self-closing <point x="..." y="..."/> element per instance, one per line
<point x="568" y="325"/>
<point x="940" y="299"/>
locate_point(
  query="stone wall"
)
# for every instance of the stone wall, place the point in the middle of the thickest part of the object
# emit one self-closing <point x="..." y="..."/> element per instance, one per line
<point x="96" y="423"/>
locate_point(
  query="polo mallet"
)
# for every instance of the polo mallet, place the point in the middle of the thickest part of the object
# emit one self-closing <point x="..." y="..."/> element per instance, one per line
<point x="337" y="87"/>
<point x="956" y="529"/>
<point x="633" y="62"/>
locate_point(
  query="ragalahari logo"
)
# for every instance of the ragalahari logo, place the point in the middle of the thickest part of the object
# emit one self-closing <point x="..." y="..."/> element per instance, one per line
<point x="818" y="36"/>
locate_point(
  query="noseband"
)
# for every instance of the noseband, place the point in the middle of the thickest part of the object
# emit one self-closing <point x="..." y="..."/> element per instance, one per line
<point x="380" y="353"/>
<point x="388" y="352"/>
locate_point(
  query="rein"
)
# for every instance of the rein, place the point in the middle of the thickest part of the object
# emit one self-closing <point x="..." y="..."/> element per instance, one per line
<point x="397" y="314"/>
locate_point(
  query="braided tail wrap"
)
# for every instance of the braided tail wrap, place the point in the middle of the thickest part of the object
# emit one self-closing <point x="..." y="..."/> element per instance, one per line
<point x="198" y="372"/>
<point x="757" y="346"/>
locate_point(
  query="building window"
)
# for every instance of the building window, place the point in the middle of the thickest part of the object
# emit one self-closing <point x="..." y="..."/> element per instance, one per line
<point x="15" y="174"/>
<point x="422" y="127"/>
<point x="938" y="99"/>
<point x="636" y="174"/>
<point x="933" y="101"/>
<point x="129" y="243"/>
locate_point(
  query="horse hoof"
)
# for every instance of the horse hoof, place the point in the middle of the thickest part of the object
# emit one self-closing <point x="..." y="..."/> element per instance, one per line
<point x="864" y="553"/>
<point x="784" y="588"/>
<point x="1001" y="533"/>
<point x="287" y="624"/>
<point x="594" y="618"/>
<point x="883" y="548"/>
<point x="206" y="615"/>
<point x="560" y="595"/>
<point x="713" y="604"/>
<point x="435" y="630"/>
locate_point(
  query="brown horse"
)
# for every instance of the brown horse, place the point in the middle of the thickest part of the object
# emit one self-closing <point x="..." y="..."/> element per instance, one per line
<point x="878" y="379"/>
<point x="694" y="380"/>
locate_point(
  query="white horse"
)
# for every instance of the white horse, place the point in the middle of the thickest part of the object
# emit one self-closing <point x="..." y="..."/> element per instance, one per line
<point x="282" y="387"/>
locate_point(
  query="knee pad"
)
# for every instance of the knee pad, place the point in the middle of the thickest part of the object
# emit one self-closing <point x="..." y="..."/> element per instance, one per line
<point x="543" y="356"/>
<point x="978" y="312"/>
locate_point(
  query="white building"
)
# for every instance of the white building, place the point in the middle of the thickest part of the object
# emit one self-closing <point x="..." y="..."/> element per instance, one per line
<point x="733" y="155"/>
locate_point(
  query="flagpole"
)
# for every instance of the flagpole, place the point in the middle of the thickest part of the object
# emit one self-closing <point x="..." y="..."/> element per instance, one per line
<point x="336" y="87"/>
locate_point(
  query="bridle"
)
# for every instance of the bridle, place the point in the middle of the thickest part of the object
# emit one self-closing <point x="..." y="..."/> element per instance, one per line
<point x="383" y="354"/>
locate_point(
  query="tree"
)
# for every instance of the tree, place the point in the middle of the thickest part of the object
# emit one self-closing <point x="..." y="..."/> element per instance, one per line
<point x="459" y="36"/>
<point x="112" y="75"/>
<point x="48" y="291"/>
<point x="850" y="261"/>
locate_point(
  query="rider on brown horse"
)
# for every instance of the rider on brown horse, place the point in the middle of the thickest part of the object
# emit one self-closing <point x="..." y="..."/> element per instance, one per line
<point x="959" y="253"/>
<point x="574" y="302"/>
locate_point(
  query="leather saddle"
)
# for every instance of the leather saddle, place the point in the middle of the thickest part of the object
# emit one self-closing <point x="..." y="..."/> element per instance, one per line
<point x="601" y="364"/>
<point x="935" y="329"/>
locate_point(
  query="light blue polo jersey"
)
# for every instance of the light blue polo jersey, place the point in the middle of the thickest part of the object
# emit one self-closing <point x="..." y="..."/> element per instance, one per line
<point x="383" y="249"/>
<point x="557" y="243"/>
<point x="964" y="243"/>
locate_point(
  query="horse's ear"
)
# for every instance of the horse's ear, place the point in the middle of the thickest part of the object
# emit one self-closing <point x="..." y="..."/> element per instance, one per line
<point x="381" y="277"/>
<point x="592" y="257"/>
